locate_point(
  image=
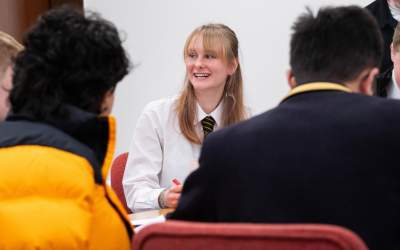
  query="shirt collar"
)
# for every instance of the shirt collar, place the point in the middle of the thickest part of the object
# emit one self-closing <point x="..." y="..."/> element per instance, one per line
<point x="393" y="79"/>
<point x="216" y="114"/>
<point x="316" y="86"/>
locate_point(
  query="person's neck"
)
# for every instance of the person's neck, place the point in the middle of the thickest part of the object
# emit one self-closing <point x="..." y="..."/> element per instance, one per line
<point x="356" y="87"/>
<point x="208" y="99"/>
<point x="394" y="3"/>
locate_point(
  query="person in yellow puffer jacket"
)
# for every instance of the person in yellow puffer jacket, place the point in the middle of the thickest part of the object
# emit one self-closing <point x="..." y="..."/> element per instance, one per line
<point x="57" y="143"/>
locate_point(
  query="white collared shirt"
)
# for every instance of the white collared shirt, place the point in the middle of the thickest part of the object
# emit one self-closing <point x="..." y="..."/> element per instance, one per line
<point x="393" y="90"/>
<point x="160" y="153"/>
<point x="394" y="11"/>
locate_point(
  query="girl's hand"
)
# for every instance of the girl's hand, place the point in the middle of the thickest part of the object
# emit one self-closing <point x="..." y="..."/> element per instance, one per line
<point x="172" y="195"/>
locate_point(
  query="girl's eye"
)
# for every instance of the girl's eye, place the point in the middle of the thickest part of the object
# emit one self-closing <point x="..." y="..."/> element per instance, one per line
<point x="209" y="57"/>
<point x="192" y="55"/>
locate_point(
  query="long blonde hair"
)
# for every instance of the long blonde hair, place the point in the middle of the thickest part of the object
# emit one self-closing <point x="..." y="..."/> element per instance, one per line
<point x="9" y="49"/>
<point x="213" y="35"/>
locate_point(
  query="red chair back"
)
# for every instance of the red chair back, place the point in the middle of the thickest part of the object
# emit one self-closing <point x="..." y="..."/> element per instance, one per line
<point x="176" y="235"/>
<point x="117" y="173"/>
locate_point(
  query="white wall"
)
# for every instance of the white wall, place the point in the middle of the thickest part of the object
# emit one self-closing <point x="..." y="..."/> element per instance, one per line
<point x="156" y="31"/>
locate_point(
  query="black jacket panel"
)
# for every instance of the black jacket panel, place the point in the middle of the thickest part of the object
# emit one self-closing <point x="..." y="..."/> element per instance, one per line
<point x="382" y="82"/>
<point x="81" y="133"/>
<point x="327" y="157"/>
<point x="18" y="133"/>
<point x="387" y="24"/>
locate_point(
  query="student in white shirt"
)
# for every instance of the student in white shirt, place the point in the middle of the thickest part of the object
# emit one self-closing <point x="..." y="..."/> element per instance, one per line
<point x="170" y="131"/>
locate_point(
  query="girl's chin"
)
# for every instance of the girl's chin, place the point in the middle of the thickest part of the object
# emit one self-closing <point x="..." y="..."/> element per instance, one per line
<point x="201" y="86"/>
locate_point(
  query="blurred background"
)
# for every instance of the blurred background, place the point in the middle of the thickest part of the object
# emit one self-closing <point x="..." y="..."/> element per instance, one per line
<point x="155" y="31"/>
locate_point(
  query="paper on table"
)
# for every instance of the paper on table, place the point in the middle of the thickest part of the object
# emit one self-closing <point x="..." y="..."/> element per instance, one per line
<point x="143" y="223"/>
<point x="194" y="164"/>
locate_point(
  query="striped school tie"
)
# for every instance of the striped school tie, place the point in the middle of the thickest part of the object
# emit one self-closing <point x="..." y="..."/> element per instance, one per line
<point x="208" y="125"/>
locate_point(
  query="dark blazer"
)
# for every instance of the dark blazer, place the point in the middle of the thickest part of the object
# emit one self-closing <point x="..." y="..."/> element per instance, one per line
<point x="382" y="83"/>
<point x="327" y="157"/>
<point x="387" y="24"/>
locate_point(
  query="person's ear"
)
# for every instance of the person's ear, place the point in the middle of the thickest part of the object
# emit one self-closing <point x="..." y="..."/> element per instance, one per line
<point x="290" y="79"/>
<point x="392" y="52"/>
<point x="367" y="80"/>
<point x="234" y="66"/>
<point x="107" y="104"/>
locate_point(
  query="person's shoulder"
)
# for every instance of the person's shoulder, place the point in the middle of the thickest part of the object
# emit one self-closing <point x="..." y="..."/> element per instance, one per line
<point x="377" y="107"/>
<point x="235" y="137"/>
<point x="21" y="132"/>
<point x="166" y="101"/>
<point x="244" y="129"/>
<point x="164" y="105"/>
<point x="385" y="104"/>
<point x="374" y="6"/>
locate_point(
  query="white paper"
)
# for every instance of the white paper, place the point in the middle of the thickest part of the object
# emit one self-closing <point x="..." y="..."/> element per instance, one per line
<point x="146" y="222"/>
<point x="194" y="164"/>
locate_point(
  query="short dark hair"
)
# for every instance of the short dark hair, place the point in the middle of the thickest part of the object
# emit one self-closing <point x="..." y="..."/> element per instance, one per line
<point x="69" y="59"/>
<point x="337" y="44"/>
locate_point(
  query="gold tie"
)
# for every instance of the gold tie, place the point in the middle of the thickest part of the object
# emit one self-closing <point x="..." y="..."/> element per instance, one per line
<point x="208" y="125"/>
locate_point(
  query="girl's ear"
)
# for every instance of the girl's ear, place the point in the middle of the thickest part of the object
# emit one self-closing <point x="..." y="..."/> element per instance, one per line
<point x="234" y="66"/>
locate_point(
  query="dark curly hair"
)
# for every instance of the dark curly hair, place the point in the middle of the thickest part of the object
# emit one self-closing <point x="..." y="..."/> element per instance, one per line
<point x="68" y="59"/>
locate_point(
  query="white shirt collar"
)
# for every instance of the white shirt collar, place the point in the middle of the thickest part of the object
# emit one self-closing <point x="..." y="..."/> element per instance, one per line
<point x="216" y="114"/>
<point x="394" y="11"/>
<point x="393" y="89"/>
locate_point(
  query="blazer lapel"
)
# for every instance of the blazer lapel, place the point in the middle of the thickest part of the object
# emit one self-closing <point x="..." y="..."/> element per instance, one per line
<point x="381" y="86"/>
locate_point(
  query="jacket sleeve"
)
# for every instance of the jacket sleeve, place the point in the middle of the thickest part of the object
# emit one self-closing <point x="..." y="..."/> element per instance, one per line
<point x="141" y="177"/>
<point x="197" y="202"/>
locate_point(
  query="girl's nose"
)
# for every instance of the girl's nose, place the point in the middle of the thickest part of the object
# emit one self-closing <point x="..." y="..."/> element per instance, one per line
<point x="199" y="63"/>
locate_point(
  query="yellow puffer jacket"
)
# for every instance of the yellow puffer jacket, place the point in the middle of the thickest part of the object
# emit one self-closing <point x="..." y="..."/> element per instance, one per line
<point x="52" y="189"/>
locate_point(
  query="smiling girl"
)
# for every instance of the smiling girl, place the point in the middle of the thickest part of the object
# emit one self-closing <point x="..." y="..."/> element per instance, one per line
<point x="170" y="131"/>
